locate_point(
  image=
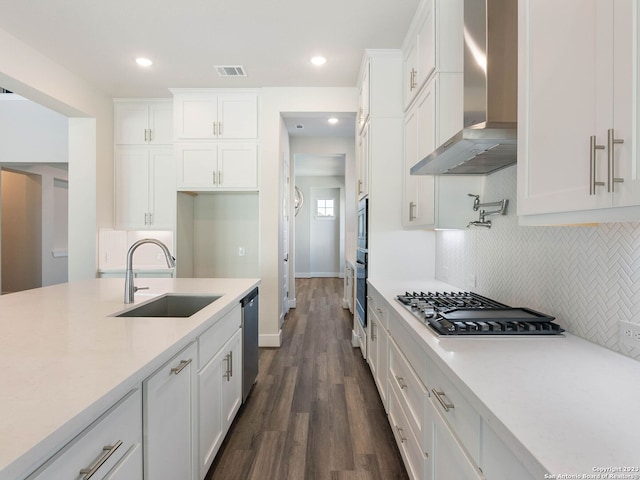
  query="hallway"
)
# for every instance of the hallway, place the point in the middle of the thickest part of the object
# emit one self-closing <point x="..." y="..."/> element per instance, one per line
<point x="314" y="412"/>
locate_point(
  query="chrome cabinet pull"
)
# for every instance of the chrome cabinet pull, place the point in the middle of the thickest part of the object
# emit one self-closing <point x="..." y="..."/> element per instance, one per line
<point x="412" y="79"/>
<point x="150" y="135"/>
<point x="373" y="332"/>
<point x="150" y="218"/>
<point x="401" y="383"/>
<point x="220" y="128"/>
<point x="227" y="374"/>
<point x="214" y="129"/>
<point x="379" y="310"/>
<point x="592" y="166"/>
<point x="181" y="366"/>
<point x="359" y="187"/>
<point x="400" y="430"/>
<point x="214" y="177"/>
<point x="145" y="135"/>
<point x="219" y="177"/>
<point x="231" y="363"/>
<point x="412" y="215"/>
<point x="440" y="395"/>
<point x="611" y="141"/>
<point x="108" y="451"/>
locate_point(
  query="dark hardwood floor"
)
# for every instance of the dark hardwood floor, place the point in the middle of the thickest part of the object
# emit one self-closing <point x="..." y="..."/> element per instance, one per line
<point x="314" y="412"/>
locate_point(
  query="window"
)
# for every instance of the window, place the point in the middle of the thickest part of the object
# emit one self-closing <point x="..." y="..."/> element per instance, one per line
<point x="325" y="208"/>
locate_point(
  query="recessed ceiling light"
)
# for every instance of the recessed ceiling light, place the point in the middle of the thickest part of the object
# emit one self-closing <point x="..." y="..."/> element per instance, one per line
<point x="144" y="62"/>
<point x="318" y="60"/>
<point x="333" y="120"/>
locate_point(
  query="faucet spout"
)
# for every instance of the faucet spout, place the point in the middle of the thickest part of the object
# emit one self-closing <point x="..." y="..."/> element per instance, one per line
<point x="129" y="287"/>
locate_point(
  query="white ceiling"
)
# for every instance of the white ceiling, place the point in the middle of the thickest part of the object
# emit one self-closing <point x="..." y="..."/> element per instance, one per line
<point x="317" y="124"/>
<point x="273" y="40"/>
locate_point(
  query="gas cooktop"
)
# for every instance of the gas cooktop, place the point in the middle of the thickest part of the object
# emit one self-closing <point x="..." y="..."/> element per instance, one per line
<point x="467" y="313"/>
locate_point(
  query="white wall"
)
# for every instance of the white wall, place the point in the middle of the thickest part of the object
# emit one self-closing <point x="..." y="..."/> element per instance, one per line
<point x="31" y="133"/>
<point x="273" y="102"/>
<point x="587" y="276"/>
<point x="32" y="75"/>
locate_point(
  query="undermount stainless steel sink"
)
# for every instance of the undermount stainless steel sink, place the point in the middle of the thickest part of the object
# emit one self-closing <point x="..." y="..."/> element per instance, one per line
<point x="171" y="305"/>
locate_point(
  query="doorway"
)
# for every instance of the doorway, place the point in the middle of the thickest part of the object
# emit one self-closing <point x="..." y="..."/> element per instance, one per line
<point x="34" y="208"/>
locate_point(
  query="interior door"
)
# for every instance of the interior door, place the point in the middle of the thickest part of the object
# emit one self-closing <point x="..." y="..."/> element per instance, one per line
<point x="286" y="206"/>
<point x="324" y="248"/>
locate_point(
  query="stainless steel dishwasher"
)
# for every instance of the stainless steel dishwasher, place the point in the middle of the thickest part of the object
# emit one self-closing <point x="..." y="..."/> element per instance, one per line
<point x="249" y="341"/>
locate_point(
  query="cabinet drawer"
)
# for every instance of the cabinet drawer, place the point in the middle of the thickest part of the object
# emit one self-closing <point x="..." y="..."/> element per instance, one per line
<point x="102" y="445"/>
<point x="415" y="459"/>
<point x="217" y="335"/>
<point x="410" y="391"/>
<point x="408" y="346"/>
<point x="455" y="409"/>
<point x="379" y="306"/>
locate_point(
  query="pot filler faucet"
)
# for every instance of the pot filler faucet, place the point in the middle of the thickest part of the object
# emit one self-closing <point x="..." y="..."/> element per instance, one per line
<point x="482" y="222"/>
<point x="129" y="287"/>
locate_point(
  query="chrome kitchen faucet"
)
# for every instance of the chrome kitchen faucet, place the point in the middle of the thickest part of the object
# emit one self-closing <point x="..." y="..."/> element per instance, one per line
<point x="129" y="287"/>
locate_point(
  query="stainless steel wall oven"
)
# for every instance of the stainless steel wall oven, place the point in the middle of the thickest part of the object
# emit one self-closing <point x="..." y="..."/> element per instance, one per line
<point x="362" y="253"/>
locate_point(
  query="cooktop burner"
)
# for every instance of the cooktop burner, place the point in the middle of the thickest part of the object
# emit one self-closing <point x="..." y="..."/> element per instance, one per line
<point x="467" y="313"/>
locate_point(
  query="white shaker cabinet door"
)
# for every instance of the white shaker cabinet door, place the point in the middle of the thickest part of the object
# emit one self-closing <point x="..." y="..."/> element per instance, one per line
<point x="160" y="123"/>
<point x="168" y="421"/>
<point x="557" y="110"/>
<point x="237" y="117"/>
<point x="449" y="457"/>
<point x="197" y="118"/>
<point x="238" y="166"/>
<point x="562" y="85"/>
<point x="131" y="123"/>
<point x="197" y="165"/>
<point x="626" y="103"/>
<point x="162" y="203"/>
<point x="132" y="187"/>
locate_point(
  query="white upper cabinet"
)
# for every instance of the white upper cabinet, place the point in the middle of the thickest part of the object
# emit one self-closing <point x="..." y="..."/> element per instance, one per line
<point x="143" y="123"/>
<point x="434" y="43"/>
<point x="215" y="166"/>
<point x="365" y="90"/>
<point x="577" y="109"/>
<point x="214" y="115"/>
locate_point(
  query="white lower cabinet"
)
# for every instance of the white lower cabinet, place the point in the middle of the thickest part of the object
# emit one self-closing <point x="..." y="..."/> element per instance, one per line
<point x="168" y="420"/>
<point x="378" y="349"/>
<point x="498" y="463"/>
<point x="439" y="432"/>
<point x="219" y="385"/>
<point x="219" y="398"/>
<point x="416" y="460"/>
<point x="108" y="449"/>
<point x="450" y="459"/>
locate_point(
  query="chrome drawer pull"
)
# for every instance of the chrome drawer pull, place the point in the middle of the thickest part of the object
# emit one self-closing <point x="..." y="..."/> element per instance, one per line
<point x="611" y="141"/>
<point x="401" y="383"/>
<point x="180" y="367"/>
<point x="593" y="183"/>
<point x="400" y="430"/>
<point x="108" y="451"/>
<point x="440" y="395"/>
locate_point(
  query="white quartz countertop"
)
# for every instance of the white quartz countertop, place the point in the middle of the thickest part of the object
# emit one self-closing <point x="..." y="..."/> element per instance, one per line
<point x="564" y="405"/>
<point x="65" y="359"/>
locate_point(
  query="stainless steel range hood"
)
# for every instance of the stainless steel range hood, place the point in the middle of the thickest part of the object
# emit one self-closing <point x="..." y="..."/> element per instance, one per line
<point x="488" y="139"/>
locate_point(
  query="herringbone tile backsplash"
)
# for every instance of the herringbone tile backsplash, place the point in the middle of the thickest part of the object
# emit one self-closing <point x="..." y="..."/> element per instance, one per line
<point x="587" y="277"/>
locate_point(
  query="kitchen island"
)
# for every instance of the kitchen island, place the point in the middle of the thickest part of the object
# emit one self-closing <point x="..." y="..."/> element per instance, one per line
<point x="67" y="359"/>
<point x="542" y="407"/>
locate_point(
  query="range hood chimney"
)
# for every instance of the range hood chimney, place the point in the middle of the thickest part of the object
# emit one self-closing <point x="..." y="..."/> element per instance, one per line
<point x="489" y="138"/>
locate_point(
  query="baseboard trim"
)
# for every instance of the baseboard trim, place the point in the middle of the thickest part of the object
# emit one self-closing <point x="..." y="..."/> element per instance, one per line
<point x="270" y="340"/>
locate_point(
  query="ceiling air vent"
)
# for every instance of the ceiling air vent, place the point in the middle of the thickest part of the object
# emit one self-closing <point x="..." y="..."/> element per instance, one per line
<point x="230" y="71"/>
